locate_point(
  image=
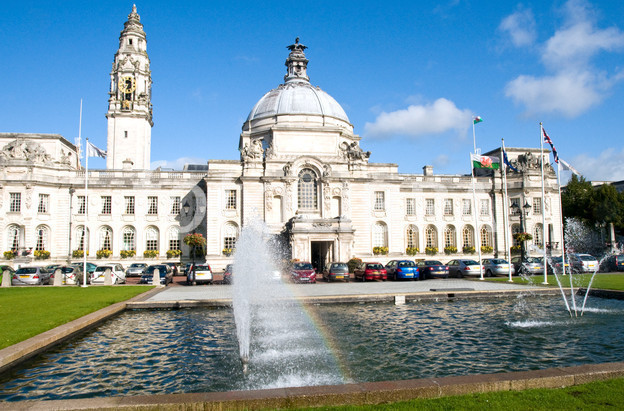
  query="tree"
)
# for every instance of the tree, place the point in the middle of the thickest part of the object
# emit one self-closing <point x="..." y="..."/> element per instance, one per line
<point x="576" y="200"/>
<point x="607" y="206"/>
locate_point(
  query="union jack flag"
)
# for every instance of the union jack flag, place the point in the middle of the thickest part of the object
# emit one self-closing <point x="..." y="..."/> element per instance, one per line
<point x="549" y="141"/>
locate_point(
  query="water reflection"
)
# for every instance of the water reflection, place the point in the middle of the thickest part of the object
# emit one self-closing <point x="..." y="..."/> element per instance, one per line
<point x="155" y="352"/>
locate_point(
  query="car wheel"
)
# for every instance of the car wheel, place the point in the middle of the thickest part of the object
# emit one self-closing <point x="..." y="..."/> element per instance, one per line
<point x="488" y="273"/>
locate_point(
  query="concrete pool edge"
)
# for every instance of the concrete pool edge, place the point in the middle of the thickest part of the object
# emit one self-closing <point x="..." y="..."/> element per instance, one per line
<point x="347" y="394"/>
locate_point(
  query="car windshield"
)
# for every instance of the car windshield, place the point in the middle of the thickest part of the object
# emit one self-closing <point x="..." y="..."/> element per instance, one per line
<point x="533" y="260"/>
<point x="374" y="266"/>
<point x="103" y="268"/>
<point x="137" y="265"/>
<point x="202" y="268"/>
<point x="302" y="266"/>
<point x="339" y="267"/>
<point x="67" y="270"/>
<point x="407" y="264"/>
<point x="470" y="262"/>
<point x="587" y="258"/>
<point x="433" y="262"/>
<point x="150" y="270"/>
<point x="498" y="261"/>
<point x="27" y="270"/>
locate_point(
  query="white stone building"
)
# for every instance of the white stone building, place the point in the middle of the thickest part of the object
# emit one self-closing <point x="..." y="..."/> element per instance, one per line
<point x="301" y="170"/>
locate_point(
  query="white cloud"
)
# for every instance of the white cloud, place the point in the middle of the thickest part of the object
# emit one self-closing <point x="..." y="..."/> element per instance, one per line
<point x="608" y="166"/>
<point x="419" y="120"/>
<point x="177" y="164"/>
<point x="521" y="27"/>
<point x="575" y="85"/>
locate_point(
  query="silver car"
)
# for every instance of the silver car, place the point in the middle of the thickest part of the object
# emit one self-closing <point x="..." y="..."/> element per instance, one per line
<point x="583" y="263"/>
<point x="136" y="270"/>
<point x="31" y="276"/>
<point x="496" y="266"/>
<point x="462" y="268"/>
<point x="530" y="265"/>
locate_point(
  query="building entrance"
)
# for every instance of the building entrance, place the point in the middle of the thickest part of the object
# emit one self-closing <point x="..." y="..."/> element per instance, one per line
<point x="321" y="254"/>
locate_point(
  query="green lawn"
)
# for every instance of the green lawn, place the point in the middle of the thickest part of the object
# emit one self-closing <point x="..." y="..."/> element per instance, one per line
<point x="28" y="311"/>
<point x="601" y="280"/>
<point x="599" y="395"/>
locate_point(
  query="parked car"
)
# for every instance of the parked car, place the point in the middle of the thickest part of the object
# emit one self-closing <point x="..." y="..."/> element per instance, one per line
<point x="52" y="267"/>
<point x="187" y="268"/>
<point x="370" y="272"/>
<point x="528" y="266"/>
<point x="302" y="272"/>
<point x="337" y="271"/>
<point x="614" y="262"/>
<point x="31" y="276"/>
<point x="402" y="270"/>
<point x="174" y="268"/>
<point x="90" y="267"/>
<point x="583" y="263"/>
<point x="496" y="266"/>
<point x="8" y="270"/>
<point x="556" y="263"/>
<point x="71" y="275"/>
<point x="227" y="274"/>
<point x="136" y="270"/>
<point x="461" y="268"/>
<point x="199" y="273"/>
<point x="118" y="274"/>
<point x="432" y="269"/>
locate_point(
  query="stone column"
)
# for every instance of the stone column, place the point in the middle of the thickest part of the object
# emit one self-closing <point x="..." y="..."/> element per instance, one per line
<point x="58" y="277"/>
<point x="108" y="278"/>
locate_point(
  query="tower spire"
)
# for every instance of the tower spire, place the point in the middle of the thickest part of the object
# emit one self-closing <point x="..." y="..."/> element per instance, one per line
<point x="296" y="63"/>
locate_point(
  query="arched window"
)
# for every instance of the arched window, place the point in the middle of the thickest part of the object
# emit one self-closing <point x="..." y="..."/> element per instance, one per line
<point x="14" y="234"/>
<point x="515" y="229"/>
<point x="468" y="236"/>
<point x="538" y="235"/>
<point x="431" y="236"/>
<point x="128" y="239"/>
<point x="449" y="236"/>
<point x="307" y="190"/>
<point x="380" y="234"/>
<point x="412" y="236"/>
<point x="230" y="235"/>
<point x="43" y="233"/>
<point x="106" y="238"/>
<point x="82" y="238"/>
<point x="151" y="239"/>
<point x="173" y="238"/>
<point x="486" y="236"/>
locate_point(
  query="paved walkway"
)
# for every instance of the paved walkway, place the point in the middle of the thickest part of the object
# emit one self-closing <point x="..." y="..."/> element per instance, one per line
<point x="322" y="289"/>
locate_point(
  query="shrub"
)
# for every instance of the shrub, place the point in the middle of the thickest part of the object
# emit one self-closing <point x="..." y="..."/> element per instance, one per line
<point x="353" y="263"/>
<point x="450" y="250"/>
<point x="431" y="250"/>
<point x="127" y="253"/>
<point x="515" y="249"/>
<point x="173" y="253"/>
<point x="227" y="251"/>
<point x="9" y="255"/>
<point x="412" y="250"/>
<point x="41" y="254"/>
<point x="380" y="250"/>
<point x="469" y="250"/>
<point x="522" y="237"/>
<point x="150" y="253"/>
<point x="78" y="253"/>
<point x="103" y="254"/>
<point x="487" y="249"/>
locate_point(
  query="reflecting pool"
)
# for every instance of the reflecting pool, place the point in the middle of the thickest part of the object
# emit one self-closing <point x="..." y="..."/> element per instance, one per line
<point x="195" y="350"/>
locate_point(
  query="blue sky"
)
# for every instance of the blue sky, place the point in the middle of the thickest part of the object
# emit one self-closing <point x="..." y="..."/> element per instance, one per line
<point x="409" y="76"/>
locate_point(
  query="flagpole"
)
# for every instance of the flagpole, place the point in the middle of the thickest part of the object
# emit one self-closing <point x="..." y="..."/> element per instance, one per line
<point x="477" y="231"/>
<point x="85" y="249"/>
<point x="543" y="206"/>
<point x="506" y="208"/>
<point x="474" y="140"/>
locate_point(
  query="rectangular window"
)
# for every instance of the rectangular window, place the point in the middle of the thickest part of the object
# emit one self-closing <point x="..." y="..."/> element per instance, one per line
<point x="174" y="244"/>
<point x="152" y="202"/>
<point x="151" y="244"/>
<point x="429" y="206"/>
<point x="485" y="207"/>
<point x="466" y="207"/>
<point x="175" y="209"/>
<point x="410" y="206"/>
<point x="129" y="201"/>
<point x="230" y="199"/>
<point x="106" y="204"/>
<point x="44" y="203"/>
<point x="537" y="206"/>
<point x="448" y="206"/>
<point x="82" y="205"/>
<point x="16" y="203"/>
<point x="380" y="203"/>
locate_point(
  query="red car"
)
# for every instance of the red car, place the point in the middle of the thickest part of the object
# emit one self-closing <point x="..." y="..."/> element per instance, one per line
<point x="302" y="272"/>
<point x="370" y="272"/>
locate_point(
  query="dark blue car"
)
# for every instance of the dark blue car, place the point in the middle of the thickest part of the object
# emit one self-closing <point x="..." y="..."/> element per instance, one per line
<point x="402" y="270"/>
<point x="432" y="269"/>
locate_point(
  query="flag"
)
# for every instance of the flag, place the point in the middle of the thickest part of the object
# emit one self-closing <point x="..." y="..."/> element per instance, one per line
<point x="93" y="151"/>
<point x="549" y="141"/>
<point x="476" y="120"/>
<point x="492" y="163"/>
<point x="567" y="166"/>
<point x="508" y="163"/>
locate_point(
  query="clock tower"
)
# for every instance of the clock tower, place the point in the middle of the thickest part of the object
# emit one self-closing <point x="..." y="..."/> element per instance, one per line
<point x="129" y="105"/>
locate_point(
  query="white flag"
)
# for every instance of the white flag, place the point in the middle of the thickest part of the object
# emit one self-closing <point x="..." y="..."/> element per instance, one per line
<point x="93" y="151"/>
<point x="567" y="166"/>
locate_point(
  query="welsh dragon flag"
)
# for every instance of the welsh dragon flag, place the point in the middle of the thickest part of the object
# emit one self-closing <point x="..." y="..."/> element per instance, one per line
<point x="492" y="163"/>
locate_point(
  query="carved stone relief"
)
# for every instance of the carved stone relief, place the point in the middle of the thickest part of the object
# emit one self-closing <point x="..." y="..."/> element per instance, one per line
<point x="345" y="197"/>
<point x="22" y="149"/>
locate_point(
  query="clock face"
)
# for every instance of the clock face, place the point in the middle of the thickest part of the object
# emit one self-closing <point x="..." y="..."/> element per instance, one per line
<point x="127" y="84"/>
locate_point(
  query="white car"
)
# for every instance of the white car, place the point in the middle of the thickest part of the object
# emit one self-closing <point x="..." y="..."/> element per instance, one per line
<point x="583" y="263"/>
<point x="118" y="274"/>
<point x="200" y="273"/>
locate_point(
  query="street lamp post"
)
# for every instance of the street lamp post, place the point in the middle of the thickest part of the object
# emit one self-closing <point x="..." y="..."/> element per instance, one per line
<point x="186" y="207"/>
<point x="524" y="212"/>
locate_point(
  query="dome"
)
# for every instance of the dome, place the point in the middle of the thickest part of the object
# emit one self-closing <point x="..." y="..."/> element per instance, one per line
<point x="297" y="95"/>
